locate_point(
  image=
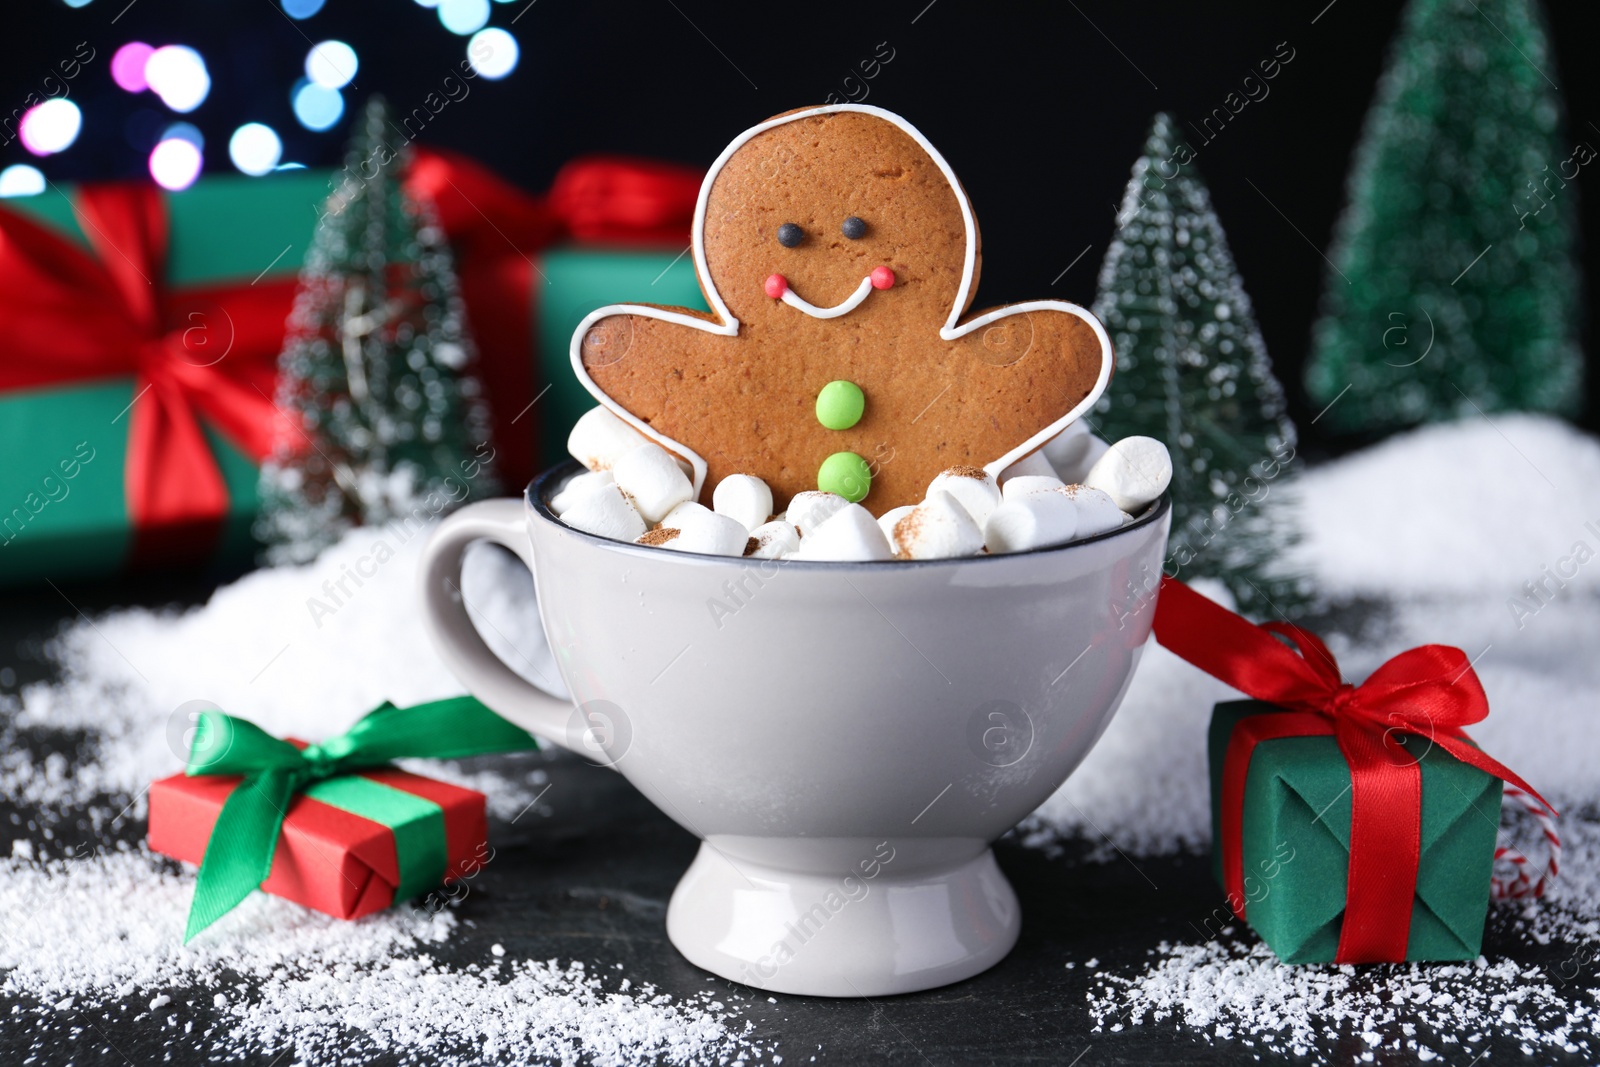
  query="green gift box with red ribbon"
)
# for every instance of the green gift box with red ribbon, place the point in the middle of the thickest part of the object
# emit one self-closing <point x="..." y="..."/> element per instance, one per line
<point x="138" y="368"/>
<point x="138" y="374"/>
<point x="1287" y="861"/>
<point x="1350" y="823"/>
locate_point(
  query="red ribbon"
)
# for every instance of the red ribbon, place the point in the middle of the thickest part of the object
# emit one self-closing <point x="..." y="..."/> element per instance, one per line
<point x="72" y="315"/>
<point x="1429" y="692"/>
<point x="497" y="229"/>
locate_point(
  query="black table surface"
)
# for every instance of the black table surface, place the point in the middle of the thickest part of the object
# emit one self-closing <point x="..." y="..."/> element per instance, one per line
<point x="590" y="879"/>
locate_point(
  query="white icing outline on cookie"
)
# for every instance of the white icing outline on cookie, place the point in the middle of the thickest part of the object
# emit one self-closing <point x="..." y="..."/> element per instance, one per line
<point x="844" y="307"/>
<point x="728" y="326"/>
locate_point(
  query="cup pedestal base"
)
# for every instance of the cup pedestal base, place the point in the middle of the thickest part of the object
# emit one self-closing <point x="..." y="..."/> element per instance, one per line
<point x="829" y="932"/>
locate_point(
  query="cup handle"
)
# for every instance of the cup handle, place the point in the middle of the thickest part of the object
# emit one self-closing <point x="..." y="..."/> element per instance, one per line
<point x="486" y="676"/>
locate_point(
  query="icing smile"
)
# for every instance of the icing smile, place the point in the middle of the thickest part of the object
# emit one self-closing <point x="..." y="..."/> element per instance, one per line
<point x="777" y="287"/>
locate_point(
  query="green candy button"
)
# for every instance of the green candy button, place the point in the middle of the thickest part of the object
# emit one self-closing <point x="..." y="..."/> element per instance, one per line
<point x="847" y="474"/>
<point x="840" y="404"/>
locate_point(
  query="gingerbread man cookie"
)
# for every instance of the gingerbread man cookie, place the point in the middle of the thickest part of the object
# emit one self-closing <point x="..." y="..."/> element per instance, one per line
<point x="839" y="254"/>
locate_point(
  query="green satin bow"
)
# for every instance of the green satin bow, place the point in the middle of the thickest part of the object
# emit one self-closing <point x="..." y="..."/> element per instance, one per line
<point x="239" y="851"/>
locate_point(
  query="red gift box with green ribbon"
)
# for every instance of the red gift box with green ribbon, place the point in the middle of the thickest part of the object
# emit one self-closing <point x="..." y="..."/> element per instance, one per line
<point x="1353" y="823"/>
<point x="349" y="846"/>
<point x="332" y="826"/>
<point x="138" y="376"/>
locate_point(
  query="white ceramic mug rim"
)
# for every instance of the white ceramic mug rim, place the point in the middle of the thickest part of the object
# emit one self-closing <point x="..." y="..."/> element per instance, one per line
<point x="536" y="497"/>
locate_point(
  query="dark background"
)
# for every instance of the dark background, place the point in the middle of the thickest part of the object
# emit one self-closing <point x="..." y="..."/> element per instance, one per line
<point x="1040" y="108"/>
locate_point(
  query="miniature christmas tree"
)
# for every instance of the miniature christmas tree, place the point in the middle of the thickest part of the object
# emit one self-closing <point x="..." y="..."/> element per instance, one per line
<point x="386" y="420"/>
<point x="1193" y="371"/>
<point x="1455" y="284"/>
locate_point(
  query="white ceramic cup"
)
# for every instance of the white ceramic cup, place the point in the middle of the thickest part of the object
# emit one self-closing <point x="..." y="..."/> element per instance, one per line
<point x="846" y="739"/>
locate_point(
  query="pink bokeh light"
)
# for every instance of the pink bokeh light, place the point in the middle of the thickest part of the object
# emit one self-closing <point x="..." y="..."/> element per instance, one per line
<point x="127" y="66"/>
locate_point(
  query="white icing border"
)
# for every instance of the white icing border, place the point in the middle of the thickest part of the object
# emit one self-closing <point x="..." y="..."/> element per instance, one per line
<point x="843" y="307"/>
<point x="728" y="326"/>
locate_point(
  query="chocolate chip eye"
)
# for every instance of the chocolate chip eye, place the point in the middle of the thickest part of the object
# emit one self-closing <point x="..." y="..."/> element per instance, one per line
<point x="854" y="228"/>
<point x="790" y="235"/>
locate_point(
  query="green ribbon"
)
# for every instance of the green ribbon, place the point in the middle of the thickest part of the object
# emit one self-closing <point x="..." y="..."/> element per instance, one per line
<point x="239" y="852"/>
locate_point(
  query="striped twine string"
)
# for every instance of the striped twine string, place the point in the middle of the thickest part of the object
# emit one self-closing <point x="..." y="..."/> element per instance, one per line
<point x="1511" y="880"/>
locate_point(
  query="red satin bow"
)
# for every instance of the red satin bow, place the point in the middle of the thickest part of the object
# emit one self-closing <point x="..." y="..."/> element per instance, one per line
<point x="1429" y="693"/>
<point x="496" y="229"/>
<point x="71" y="316"/>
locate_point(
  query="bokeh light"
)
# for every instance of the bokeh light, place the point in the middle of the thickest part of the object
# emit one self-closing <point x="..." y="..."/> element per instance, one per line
<point x="317" y="108"/>
<point x="493" y="53"/>
<point x="175" y="164"/>
<point x="19" y="179"/>
<point x="331" y="64"/>
<point x="50" y="127"/>
<point x="127" y="66"/>
<point x="255" y="149"/>
<point x="178" y="76"/>
<point x="427" y="3"/>
<point x="77" y="3"/>
<point x="301" y="9"/>
<point x="185" y="131"/>
<point x="464" y="16"/>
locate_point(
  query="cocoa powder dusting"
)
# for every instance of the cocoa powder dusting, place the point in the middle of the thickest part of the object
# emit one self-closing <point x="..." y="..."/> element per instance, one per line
<point x="659" y="536"/>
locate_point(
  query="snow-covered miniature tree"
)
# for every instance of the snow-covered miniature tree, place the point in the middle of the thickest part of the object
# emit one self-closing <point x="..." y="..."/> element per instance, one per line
<point x="1192" y="371"/>
<point x="384" y="417"/>
<point x="1455" y="282"/>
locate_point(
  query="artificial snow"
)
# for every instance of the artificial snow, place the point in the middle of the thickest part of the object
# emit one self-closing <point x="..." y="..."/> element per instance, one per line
<point x="108" y="927"/>
<point x="1443" y="526"/>
<point x="1239" y="991"/>
<point x="301" y="651"/>
<point x="1475" y="508"/>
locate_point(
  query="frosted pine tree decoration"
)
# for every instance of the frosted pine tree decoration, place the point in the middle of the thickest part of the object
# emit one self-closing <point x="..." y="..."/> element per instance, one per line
<point x="1193" y="371"/>
<point x="387" y="420"/>
<point x="1455" y="283"/>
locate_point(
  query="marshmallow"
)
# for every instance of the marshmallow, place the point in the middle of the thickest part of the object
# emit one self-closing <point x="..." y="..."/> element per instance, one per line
<point x="774" y="540"/>
<point x="1133" y="472"/>
<point x="937" y="528"/>
<point x="743" y="497"/>
<point x="973" y="487"/>
<point x="811" y="509"/>
<point x="653" y="479"/>
<point x="1016" y="488"/>
<point x="1097" y="512"/>
<point x="1030" y="520"/>
<point x="579" y="485"/>
<point x="605" y="512"/>
<point x="680" y="514"/>
<point x="600" y="439"/>
<point x="1073" y="451"/>
<point x="700" y="531"/>
<point x="887" y="521"/>
<point x="1034" y="463"/>
<point x="850" y="534"/>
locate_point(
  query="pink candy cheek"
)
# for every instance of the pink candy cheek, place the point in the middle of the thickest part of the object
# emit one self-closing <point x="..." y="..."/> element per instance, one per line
<point x="882" y="277"/>
<point x="775" y="285"/>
